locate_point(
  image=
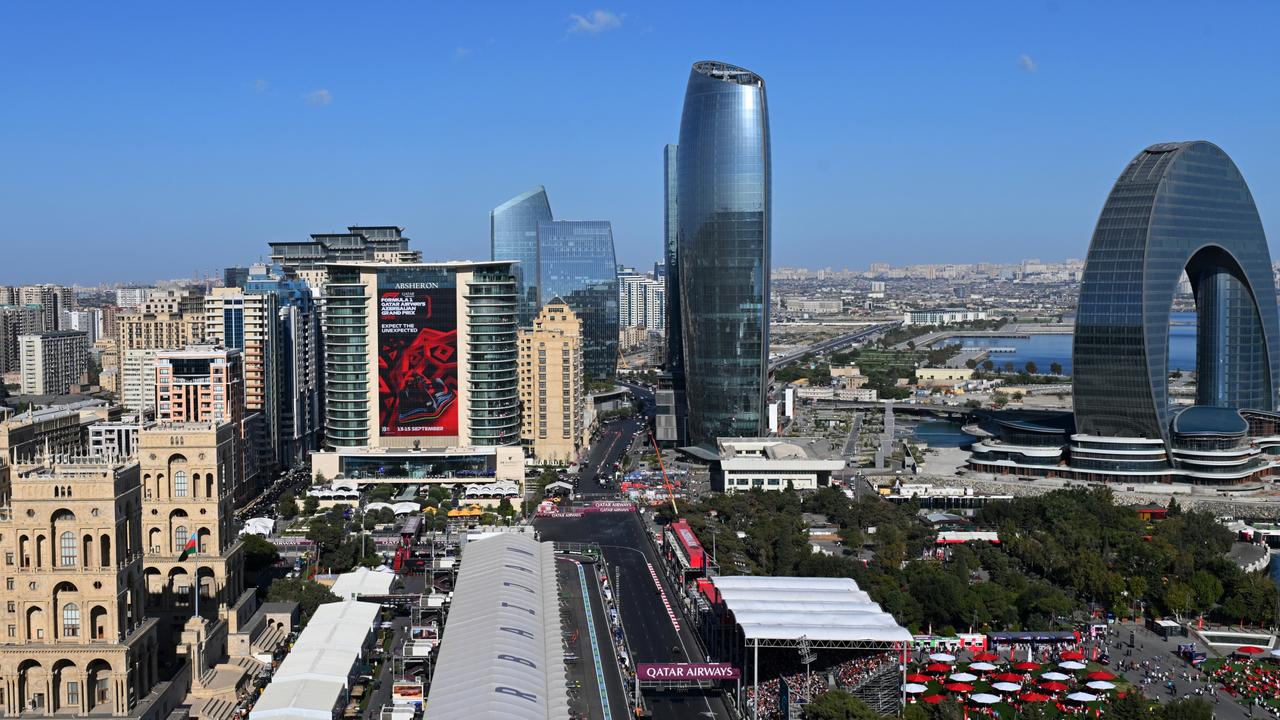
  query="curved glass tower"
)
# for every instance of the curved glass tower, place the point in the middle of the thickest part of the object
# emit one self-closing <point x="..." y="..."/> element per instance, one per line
<point x="1177" y="207"/>
<point x="513" y="235"/>
<point x="577" y="265"/>
<point x="722" y="208"/>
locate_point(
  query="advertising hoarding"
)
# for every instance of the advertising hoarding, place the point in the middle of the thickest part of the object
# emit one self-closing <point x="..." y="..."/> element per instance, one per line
<point x="687" y="671"/>
<point x="417" y="353"/>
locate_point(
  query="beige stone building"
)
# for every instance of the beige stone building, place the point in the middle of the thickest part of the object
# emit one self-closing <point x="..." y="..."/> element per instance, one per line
<point x="74" y="637"/>
<point x="552" y="392"/>
<point x="167" y="319"/>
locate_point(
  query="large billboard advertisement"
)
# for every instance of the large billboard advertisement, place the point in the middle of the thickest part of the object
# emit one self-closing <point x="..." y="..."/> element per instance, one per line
<point x="417" y="353"/>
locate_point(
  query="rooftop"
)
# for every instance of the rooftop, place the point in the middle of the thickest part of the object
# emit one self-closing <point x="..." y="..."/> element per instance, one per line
<point x="1206" y="420"/>
<point x="728" y="73"/>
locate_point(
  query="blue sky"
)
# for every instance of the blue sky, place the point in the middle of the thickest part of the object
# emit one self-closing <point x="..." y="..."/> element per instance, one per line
<point x="146" y="140"/>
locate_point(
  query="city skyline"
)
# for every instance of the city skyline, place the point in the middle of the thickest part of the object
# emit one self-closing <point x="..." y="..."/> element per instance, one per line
<point x="225" y="150"/>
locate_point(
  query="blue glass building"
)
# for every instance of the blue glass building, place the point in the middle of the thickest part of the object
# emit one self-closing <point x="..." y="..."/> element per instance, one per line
<point x="513" y="235"/>
<point x="722" y="249"/>
<point x="577" y="264"/>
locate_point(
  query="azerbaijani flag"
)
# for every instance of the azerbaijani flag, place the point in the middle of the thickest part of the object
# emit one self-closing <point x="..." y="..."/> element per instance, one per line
<point x="190" y="549"/>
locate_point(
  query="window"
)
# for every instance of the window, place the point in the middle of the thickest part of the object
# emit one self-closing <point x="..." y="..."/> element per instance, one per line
<point x="13" y="606"/>
<point x="180" y="537"/>
<point x="180" y="483"/>
<point x="70" y="620"/>
<point x="73" y="693"/>
<point x="8" y="583"/>
<point x="67" y="549"/>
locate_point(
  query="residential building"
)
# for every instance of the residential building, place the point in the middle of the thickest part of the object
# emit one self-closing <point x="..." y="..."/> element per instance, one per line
<point x="552" y="389"/>
<point x="723" y="238"/>
<point x="200" y="383"/>
<point x="513" y="236"/>
<point x="942" y="316"/>
<point x="138" y="379"/>
<point x="642" y="301"/>
<point x="131" y="297"/>
<point x="46" y="296"/>
<point x="16" y="320"/>
<point x="52" y="431"/>
<point x="421" y="355"/>
<point x="51" y="362"/>
<point x="166" y="319"/>
<point x="373" y="243"/>
<point x="576" y="263"/>
<point x="115" y="439"/>
<point x="87" y="321"/>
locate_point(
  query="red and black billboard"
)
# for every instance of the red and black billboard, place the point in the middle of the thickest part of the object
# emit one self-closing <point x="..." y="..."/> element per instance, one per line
<point x="417" y="354"/>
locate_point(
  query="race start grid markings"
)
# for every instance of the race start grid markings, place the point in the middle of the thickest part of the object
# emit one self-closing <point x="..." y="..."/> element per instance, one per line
<point x="663" y="593"/>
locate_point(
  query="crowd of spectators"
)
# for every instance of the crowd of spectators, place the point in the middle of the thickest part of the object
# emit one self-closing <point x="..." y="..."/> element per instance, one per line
<point x="847" y="675"/>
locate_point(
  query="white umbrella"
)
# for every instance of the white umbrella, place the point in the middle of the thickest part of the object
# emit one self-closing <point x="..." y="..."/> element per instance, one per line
<point x="1102" y="685"/>
<point x="942" y="657"/>
<point x="1055" y="676"/>
<point x="963" y="677"/>
<point x="914" y="688"/>
<point x="985" y="699"/>
<point x="1275" y="653"/>
<point x="1071" y="665"/>
<point x="1007" y="687"/>
<point x="982" y="666"/>
<point x="1082" y="697"/>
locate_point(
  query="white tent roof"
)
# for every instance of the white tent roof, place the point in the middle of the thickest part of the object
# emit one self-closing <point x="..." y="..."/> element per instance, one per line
<point x="339" y="625"/>
<point x="362" y="581"/>
<point x="259" y="526"/>
<point x="503" y="631"/>
<point x="298" y="700"/>
<point x="821" y="609"/>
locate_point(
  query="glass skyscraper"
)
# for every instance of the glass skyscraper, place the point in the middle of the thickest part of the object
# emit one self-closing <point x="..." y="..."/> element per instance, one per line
<point x="577" y="265"/>
<point x="513" y="235"/>
<point x="1177" y="207"/>
<point x="671" y="276"/>
<point x="722" y="250"/>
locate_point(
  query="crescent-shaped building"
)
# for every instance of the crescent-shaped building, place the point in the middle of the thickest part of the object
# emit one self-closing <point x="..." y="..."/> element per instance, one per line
<point x="1178" y="209"/>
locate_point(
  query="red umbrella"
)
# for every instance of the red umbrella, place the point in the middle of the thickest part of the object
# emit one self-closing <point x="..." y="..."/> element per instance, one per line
<point x="1007" y="677"/>
<point x="937" y="668"/>
<point x="1033" y="697"/>
<point x="1054" y="686"/>
<point x="1101" y="675"/>
<point x="960" y="687"/>
<point x="986" y="657"/>
<point x="918" y="678"/>
<point x="933" y="699"/>
<point x="1027" y="665"/>
<point x="1249" y="650"/>
<point x="1072" y="655"/>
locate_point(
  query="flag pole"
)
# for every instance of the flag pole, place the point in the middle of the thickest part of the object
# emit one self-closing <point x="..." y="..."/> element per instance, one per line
<point x="197" y="587"/>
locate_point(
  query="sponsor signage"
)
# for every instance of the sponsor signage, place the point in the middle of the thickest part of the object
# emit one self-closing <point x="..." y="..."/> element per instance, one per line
<point x="687" y="671"/>
<point x="417" y="353"/>
<point x="611" y="506"/>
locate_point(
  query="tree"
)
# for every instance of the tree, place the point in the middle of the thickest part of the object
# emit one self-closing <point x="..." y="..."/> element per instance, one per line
<point x="311" y="505"/>
<point x="1055" y="368"/>
<point x="287" y="507"/>
<point x="505" y="509"/>
<point x="839" y="705"/>
<point x="1129" y="706"/>
<point x="309" y="594"/>
<point x="1008" y="366"/>
<point x="1193" y="709"/>
<point x="259" y="554"/>
<point x="1031" y="367"/>
<point x="971" y="363"/>
<point x="988" y="365"/>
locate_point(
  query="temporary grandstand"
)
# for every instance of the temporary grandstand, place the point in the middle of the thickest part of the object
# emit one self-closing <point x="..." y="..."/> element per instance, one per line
<point x="500" y="655"/>
<point x="789" y="616"/>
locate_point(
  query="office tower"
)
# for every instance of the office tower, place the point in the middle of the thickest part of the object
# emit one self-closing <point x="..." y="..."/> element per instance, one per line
<point x="642" y="301"/>
<point x="723" y="221"/>
<point x="576" y="263"/>
<point x="234" y="277"/>
<point x="1177" y="208"/>
<point x="78" y="640"/>
<point x="16" y="320"/>
<point x="188" y="482"/>
<point x="247" y="322"/>
<point x="374" y="243"/>
<point x="52" y="361"/>
<point x="46" y="296"/>
<point x="513" y="235"/>
<point x="552" y="392"/>
<point x="420" y="355"/>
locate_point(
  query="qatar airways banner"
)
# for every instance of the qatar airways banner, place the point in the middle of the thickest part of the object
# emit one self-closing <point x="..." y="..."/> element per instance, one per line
<point x="687" y="671"/>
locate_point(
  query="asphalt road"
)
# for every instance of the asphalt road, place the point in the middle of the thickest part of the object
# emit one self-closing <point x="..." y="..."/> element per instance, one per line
<point x="603" y="456"/>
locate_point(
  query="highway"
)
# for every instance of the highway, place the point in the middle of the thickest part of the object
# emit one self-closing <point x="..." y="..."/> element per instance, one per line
<point x="832" y="344"/>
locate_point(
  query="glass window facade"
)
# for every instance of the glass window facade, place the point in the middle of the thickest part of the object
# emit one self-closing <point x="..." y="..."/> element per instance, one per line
<point x="723" y="237"/>
<point x="577" y="265"/>
<point x="1177" y="207"/>
<point x="513" y="235"/>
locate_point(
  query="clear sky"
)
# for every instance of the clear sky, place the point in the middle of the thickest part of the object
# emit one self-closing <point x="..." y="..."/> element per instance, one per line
<point x="145" y="140"/>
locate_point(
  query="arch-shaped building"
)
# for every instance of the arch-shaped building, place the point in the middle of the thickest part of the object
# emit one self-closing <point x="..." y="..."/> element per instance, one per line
<point x="1177" y="207"/>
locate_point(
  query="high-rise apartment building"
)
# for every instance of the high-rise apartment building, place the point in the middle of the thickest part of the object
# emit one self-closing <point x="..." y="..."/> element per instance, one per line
<point x="552" y="392"/>
<point x="138" y="379"/>
<point x="166" y="319"/>
<point x="513" y="235"/>
<point x="131" y="297"/>
<point x="200" y="383"/>
<point x="46" y="296"/>
<point x="87" y="321"/>
<point x="51" y="362"/>
<point x="77" y="640"/>
<point x="372" y="243"/>
<point x="420" y="355"/>
<point x="642" y="301"/>
<point x="576" y="263"/>
<point x="16" y="320"/>
<point x="723" y="245"/>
